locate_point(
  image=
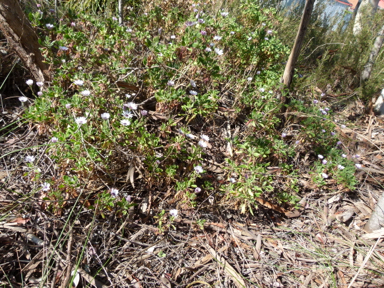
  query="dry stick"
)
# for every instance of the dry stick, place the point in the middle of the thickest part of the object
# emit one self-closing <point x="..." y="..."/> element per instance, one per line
<point x="68" y="260"/>
<point x="55" y="273"/>
<point x="364" y="262"/>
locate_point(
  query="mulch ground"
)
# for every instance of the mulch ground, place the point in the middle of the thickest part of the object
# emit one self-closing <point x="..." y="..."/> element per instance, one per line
<point x="323" y="244"/>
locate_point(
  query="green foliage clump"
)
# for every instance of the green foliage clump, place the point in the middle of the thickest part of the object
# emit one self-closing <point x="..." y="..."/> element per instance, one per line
<point x="131" y="100"/>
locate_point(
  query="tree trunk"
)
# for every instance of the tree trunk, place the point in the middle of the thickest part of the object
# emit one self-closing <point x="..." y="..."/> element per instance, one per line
<point x="22" y="38"/>
<point x="120" y="8"/>
<point x="377" y="218"/>
<point x="372" y="57"/>
<point x="365" y="7"/>
<point x="288" y="72"/>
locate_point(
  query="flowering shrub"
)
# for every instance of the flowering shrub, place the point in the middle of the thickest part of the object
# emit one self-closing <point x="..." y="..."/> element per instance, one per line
<point x="134" y="100"/>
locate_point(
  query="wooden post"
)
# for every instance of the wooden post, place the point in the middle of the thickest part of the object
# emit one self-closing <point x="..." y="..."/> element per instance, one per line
<point x="288" y="72"/>
<point x="22" y="38"/>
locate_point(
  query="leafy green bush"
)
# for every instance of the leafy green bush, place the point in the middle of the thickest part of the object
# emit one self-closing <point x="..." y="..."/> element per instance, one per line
<point x="188" y="72"/>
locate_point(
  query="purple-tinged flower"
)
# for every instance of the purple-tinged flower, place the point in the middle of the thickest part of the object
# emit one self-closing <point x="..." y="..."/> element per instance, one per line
<point x="131" y="105"/>
<point x="190" y="136"/>
<point x="203" y="33"/>
<point x="193" y="83"/>
<point x="40" y="84"/>
<point x="315" y="101"/>
<point x="128" y="96"/>
<point x="249" y="38"/>
<point x="193" y="92"/>
<point x="128" y="198"/>
<point x="29" y="159"/>
<point x="283" y="135"/>
<point x="114" y="192"/>
<point x="342" y="126"/>
<point x="356" y="156"/>
<point x="322" y="94"/>
<point x="297" y="142"/>
<point x="325" y="176"/>
<point x="322" y="130"/>
<point x="340" y="167"/>
<point x="333" y="133"/>
<point x="249" y="79"/>
<point x="358" y="166"/>
<point x="197" y="190"/>
<point x="232" y="180"/>
<point x="23" y="99"/>
<point x="144" y="112"/>
<point x="189" y="23"/>
<point x="269" y="32"/>
<point x="105" y="116"/>
<point x="114" y="18"/>
<point x="85" y="93"/>
<point x="217" y="38"/>
<point x="262" y="90"/>
<point x="80" y="120"/>
<point x="39" y="93"/>
<point x="68" y="106"/>
<point x="320" y="156"/>
<point x="201" y="21"/>
<point x="263" y="24"/>
<point x="49" y="26"/>
<point x="129" y="30"/>
<point x="324" y="161"/>
<point x="198" y="169"/>
<point x="29" y="82"/>
<point x="266" y="38"/>
<point x="232" y="32"/>
<point x="258" y="72"/>
<point x="204" y="137"/>
<point x="171" y="83"/>
<point x="125" y="122"/>
<point x="73" y="24"/>
<point x="339" y="143"/>
<point x="224" y="14"/>
<point x="173" y="213"/>
<point x="208" y="49"/>
<point x="63" y="48"/>
<point x="38" y="5"/>
<point x="54" y="140"/>
<point x="219" y="51"/>
<point x="78" y="82"/>
<point x="45" y="186"/>
<point x="327" y="109"/>
<point x="343" y="155"/>
<point x="202" y="144"/>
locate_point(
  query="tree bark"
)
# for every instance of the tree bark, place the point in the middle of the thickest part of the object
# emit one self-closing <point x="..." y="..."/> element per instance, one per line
<point x="377" y="218"/>
<point x="22" y="38"/>
<point x="366" y="6"/>
<point x="120" y="8"/>
<point x="288" y="72"/>
<point x="372" y="57"/>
